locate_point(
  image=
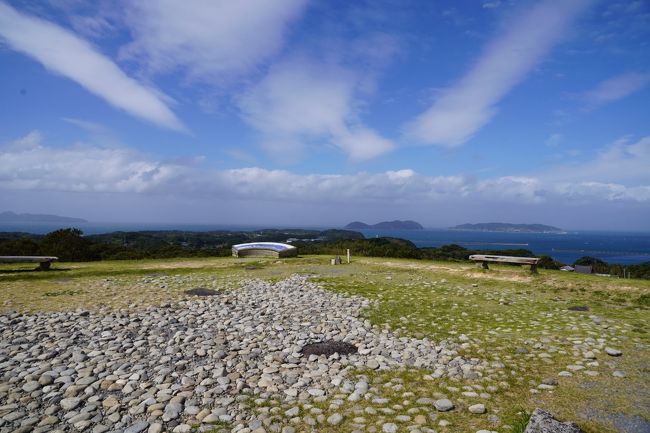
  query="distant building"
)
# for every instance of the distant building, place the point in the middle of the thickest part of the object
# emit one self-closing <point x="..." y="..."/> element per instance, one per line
<point x="264" y="249"/>
<point x="581" y="269"/>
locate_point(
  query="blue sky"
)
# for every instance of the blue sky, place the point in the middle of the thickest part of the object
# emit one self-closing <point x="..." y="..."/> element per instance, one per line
<point x="299" y="112"/>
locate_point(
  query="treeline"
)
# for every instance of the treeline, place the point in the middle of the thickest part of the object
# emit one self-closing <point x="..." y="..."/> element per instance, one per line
<point x="71" y="245"/>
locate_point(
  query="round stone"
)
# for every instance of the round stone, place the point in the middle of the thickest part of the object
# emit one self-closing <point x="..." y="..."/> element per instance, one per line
<point x="335" y="419"/>
<point x="477" y="408"/>
<point x="444" y="405"/>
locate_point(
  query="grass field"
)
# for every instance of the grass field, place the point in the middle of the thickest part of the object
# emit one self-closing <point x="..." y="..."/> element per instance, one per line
<point x="522" y="323"/>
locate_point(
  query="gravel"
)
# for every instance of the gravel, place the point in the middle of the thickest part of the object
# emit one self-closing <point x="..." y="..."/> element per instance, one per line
<point x="203" y="358"/>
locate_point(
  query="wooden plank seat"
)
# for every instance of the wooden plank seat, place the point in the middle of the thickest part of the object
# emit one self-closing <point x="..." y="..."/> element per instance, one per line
<point x="44" y="262"/>
<point x="532" y="261"/>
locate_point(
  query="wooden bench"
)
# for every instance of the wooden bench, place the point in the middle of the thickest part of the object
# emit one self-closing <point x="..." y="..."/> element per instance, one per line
<point x="44" y="262"/>
<point x="532" y="261"/>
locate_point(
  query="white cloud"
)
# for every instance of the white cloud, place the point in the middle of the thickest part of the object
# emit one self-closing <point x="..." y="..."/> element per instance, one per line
<point x="208" y="38"/>
<point x="300" y="100"/>
<point x="616" y="88"/>
<point x="26" y="164"/>
<point x="64" y="53"/>
<point x="462" y="109"/>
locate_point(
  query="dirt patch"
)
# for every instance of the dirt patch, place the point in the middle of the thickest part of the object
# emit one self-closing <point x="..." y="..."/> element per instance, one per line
<point x="328" y="348"/>
<point x="578" y="308"/>
<point x="201" y="291"/>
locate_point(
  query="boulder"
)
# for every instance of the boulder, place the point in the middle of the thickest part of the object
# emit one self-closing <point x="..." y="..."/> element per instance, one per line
<point x="543" y="422"/>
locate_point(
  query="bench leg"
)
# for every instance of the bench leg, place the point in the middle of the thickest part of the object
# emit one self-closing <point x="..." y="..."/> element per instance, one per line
<point x="533" y="269"/>
<point x="485" y="265"/>
<point x="44" y="266"/>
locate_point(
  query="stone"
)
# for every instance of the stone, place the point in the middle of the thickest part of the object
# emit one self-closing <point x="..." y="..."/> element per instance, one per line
<point x="389" y="427"/>
<point x="477" y="408"/>
<point x="444" y="405"/>
<point x="335" y="419"/>
<point x="155" y="428"/>
<point x="613" y="352"/>
<point x="137" y="427"/>
<point x="70" y="403"/>
<point x="372" y="364"/>
<point x="543" y="422"/>
<point x="31" y="386"/>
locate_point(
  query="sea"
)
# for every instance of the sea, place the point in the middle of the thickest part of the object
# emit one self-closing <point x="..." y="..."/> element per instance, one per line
<point x="611" y="246"/>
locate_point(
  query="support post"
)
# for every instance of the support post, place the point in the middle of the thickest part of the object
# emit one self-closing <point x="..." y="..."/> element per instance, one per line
<point x="44" y="266"/>
<point x="533" y="268"/>
<point x="485" y="265"/>
<point x="348" y="256"/>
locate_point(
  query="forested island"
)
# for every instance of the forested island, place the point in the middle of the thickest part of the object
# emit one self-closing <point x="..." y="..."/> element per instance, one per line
<point x="507" y="227"/>
<point x="385" y="225"/>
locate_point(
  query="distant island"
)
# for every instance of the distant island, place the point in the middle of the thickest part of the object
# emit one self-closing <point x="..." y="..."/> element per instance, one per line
<point x="506" y="227"/>
<point x="385" y="225"/>
<point x="12" y="217"/>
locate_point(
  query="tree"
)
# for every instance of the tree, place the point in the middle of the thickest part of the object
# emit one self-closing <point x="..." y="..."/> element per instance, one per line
<point x="68" y="245"/>
<point x="547" y="262"/>
<point x="598" y="266"/>
<point x="18" y="247"/>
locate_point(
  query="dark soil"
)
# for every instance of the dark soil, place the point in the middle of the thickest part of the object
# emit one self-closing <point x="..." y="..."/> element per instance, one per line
<point x="201" y="291"/>
<point x="328" y="348"/>
<point x="578" y="308"/>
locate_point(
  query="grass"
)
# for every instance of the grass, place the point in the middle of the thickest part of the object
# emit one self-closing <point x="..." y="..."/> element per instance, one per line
<point x="518" y="321"/>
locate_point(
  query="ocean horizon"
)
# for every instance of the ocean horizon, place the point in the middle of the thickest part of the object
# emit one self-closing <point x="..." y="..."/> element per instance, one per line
<point x="621" y="247"/>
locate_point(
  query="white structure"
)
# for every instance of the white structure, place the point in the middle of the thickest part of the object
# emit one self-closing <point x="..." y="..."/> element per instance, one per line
<point x="264" y="249"/>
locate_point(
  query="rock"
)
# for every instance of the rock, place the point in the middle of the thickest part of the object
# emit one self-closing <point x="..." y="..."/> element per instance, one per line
<point x="137" y="427"/>
<point x="389" y="427"/>
<point x="31" y="386"/>
<point x="155" y="428"/>
<point x="335" y="419"/>
<point x="372" y="364"/>
<point x="172" y="410"/>
<point x="613" y="352"/>
<point x="443" y="405"/>
<point x="618" y="373"/>
<point x="69" y="404"/>
<point x="182" y="428"/>
<point x="477" y="408"/>
<point x="294" y="411"/>
<point x="543" y="422"/>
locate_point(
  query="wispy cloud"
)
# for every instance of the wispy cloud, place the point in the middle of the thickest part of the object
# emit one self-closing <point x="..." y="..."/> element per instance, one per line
<point x="61" y="51"/>
<point x="554" y="140"/>
<point x="462" y="109"/>
<point x="624" y="161"/>
<point x="616" y="88"/>
<point x="301" y="100"/>
<point x="208" y="39"/>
